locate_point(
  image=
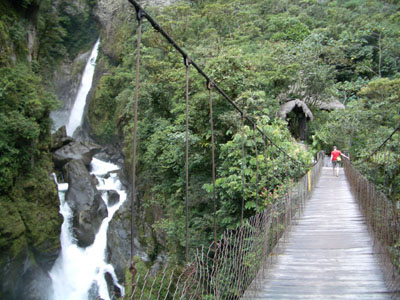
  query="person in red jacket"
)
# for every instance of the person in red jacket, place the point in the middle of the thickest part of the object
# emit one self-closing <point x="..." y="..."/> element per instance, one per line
<point x="335" y="159"/>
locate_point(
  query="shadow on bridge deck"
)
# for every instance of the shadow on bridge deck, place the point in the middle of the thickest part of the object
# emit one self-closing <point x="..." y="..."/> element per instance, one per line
<point x="327" y="254"/>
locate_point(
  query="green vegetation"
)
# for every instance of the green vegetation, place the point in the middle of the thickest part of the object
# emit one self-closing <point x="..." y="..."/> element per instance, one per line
<point x="35" y="37"/>
<point x="238" y="59"/>
<point x="29" y="205"/>
<point x="55" y="30"/>
<point x="364" y="126"/>
<point x="262" y="53"/>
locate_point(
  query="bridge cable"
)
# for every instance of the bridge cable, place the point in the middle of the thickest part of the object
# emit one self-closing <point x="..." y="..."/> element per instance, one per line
<point x="243" y="168"/>
<point x="187" y="65"/>
<point x="257" y="166"/>
<point x="266" y="164"/>
<point x="140" y="14"/>
<point x="385" y="159"/>
<point x="139" y="36"/>
<point x="380" y="146"/>
<point x="209" y="87"/>
<point x="158" y="28"/>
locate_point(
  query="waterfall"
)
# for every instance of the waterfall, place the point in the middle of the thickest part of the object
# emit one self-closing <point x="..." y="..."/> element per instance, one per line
<point x="79" y="273"/>
<point x="75" y="118"/>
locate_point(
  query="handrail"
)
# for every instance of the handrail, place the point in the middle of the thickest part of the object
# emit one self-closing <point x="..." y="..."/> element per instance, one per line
<point x="380" y="146"/>
<point x="280" y="212"/>
<point x="228" y="271"/>
<point x="383" y="222"/>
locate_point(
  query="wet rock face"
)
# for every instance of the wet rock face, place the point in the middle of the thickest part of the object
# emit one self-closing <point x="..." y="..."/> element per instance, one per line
<point x="66" y="84"/>
<point x="118" y="240"/>
<point x="38" y="282"/>
<point x="73" y="158"/>
<point x="75" y="151"/>
<point x="113" y="197"/>
<point x="60" y="139"/>
<point x="26" y="278"/>
<point x="108" y="13"/>
<point x="85" y="201"/>
<point x="66" y="149"/>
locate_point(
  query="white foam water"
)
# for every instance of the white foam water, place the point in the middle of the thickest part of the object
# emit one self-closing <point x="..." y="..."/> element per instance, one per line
<point x="78" y="272"/>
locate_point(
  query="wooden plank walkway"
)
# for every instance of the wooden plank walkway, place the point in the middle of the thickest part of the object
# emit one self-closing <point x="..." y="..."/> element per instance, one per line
<point x="328" y="253"/>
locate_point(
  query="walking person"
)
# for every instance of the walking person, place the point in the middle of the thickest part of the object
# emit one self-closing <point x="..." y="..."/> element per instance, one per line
<point x="336" y="159"/>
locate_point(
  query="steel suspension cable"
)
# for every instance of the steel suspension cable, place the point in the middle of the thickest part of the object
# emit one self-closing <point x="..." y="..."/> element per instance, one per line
<point x="380" y="146"/>
<point x="132" y="260"/>
<point x="158" y="28"/>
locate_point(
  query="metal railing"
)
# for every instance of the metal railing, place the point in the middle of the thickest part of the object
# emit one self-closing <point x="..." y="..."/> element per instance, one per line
<point x="383" y="222"/>
<point x="226" y="271"/>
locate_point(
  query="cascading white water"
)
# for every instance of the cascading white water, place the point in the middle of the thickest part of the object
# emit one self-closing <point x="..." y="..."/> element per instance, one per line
<point x="75" y="117"/>
<point x="79" y="273"/>
<point x="77" y="270"/>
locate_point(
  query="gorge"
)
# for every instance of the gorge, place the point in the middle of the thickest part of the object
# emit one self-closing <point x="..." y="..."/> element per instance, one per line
<point x="79" y="272"/>
<point x="65" y="219"/>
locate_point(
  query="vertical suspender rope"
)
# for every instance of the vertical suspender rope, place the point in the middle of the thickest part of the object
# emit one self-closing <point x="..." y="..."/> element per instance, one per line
<point x="255" y="146"/>
<point x="187" y="64"/>
<point x="158" y="28"/>
<point x="385" y="181"/>
<point x="266" y="163"/>
<point x="139" y="36"/>
<point x="243" y="168"/>
<point x="209" y="87"/>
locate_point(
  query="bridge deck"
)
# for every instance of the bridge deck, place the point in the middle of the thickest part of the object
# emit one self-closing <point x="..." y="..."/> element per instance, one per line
<point x="328" y="253"/>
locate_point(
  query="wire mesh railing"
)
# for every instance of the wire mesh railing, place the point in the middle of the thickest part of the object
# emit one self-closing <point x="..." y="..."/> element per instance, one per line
<point x="378" y="204"/>
<point x="245" y="120"/>
<point x="226" y="270"/>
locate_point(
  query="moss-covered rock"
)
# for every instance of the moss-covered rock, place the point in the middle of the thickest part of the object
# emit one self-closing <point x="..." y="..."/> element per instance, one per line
<point x="37" y="202"/>
<point x="12" y="227"/>
<point x="29" y="232"/>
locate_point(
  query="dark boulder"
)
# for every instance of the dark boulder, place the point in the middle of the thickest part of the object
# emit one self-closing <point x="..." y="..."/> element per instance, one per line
<point x="74" y="151"/>
<point x="60" y="139"/>
<point x="112" y="288"/>
<point x="95" y="181"/>
<point x="113" y="197"/>
<point x="86" y="202"/>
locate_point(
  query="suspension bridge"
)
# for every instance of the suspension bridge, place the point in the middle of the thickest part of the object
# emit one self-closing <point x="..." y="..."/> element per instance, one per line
<point x="327" y="237"/>
<point x="327" y="254"/>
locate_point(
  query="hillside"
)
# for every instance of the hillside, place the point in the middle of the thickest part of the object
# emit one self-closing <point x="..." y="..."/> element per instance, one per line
<point x="263" y="54"/>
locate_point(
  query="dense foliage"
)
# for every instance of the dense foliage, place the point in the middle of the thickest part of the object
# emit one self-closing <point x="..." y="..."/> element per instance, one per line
<point x="35" y="37"/>
<point x="263" y="53"/>
<point x="257" y="51"/>
<point x="29" y="213"/>
<point x="53" y="28"/>
<point x="364" y="126"/>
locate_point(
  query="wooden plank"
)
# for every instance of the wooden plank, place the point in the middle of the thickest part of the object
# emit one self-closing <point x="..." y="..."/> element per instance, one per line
<point x="328" y="254"/>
